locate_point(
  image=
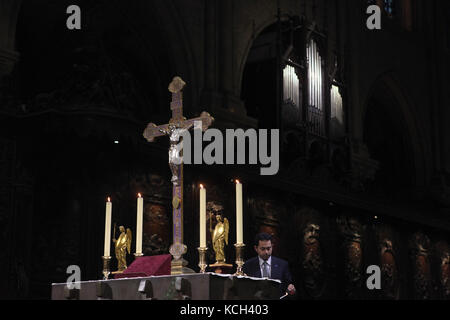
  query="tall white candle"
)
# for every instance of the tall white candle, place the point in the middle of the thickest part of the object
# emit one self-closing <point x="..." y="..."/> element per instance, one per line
<point x="139" y="223"/>
<point x="202" y="217"/>
<point x="107" y="248"/>
<point x="239" y="223"/>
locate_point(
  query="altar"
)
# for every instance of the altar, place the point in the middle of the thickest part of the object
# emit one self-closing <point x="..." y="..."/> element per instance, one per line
<point x="197" y="286"/>
<point x="167" y="277"/>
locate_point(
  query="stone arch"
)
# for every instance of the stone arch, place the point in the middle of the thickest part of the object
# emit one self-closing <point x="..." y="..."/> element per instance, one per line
<point x="265" y="13"/>
<point x="387" y="92"/>
<point x="243" y="61"/>
<point x="252" y="71"/>
<point x="177" y="53"/>
<point x="9" y="11"/>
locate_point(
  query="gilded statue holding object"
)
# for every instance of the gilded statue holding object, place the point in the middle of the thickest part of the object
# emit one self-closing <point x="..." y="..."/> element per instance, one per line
<point x="122" y="245"/>
<point x="220" y="238"/>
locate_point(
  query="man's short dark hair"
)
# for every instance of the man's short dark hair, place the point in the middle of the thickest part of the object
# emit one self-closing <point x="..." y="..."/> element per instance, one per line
<point x="262" y="237"/>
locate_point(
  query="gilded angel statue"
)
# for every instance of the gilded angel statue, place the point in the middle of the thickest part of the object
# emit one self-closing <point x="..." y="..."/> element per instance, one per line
<point x="122" y="245"/>
<point x="220" y="238"/>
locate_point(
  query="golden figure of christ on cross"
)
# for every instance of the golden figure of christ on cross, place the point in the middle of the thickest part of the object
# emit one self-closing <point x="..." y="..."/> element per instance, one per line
<point x="174" y="129"/>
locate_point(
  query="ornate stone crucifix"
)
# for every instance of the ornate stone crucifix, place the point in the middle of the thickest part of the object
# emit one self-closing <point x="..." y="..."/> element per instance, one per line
<point x="176" y="126"/>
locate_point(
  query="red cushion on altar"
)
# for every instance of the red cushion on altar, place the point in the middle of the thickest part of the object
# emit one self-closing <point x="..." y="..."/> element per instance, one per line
<point x="148" y="266"/>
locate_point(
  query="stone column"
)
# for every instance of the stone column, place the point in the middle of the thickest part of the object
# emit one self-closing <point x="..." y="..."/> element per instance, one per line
<point x="9" y="11"/>
<point x="8" y="59"/>
<point x="226" y="46"/>
<point x="221" y="94"/>
<point x="210" y="45"/>
<point x="231" y="101"/>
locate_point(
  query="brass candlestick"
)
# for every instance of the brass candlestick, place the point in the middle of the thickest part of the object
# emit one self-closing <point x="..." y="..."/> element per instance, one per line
<point x="239" y="259"/>
<point x="106" y="270"/>
<point x="202" y="259"/>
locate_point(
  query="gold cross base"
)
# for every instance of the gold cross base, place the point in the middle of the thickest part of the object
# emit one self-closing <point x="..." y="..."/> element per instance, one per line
<point x="179" y="267"/>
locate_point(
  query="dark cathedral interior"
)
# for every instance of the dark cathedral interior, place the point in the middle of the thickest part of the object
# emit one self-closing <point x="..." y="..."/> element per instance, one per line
<point x="364" y="175"/>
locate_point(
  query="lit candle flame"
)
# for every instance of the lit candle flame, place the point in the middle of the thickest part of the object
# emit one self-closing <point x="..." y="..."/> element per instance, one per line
<point x="109" y="199"/>
<point x="237" y="181"/>
<point x="201" y="186"/>
<point x="139" y="195"/>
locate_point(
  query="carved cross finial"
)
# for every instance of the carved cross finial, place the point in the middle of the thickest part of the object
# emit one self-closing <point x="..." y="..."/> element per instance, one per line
<point x="176" y="85"/>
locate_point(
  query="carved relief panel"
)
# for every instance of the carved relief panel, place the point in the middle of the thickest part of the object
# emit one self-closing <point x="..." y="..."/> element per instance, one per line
<point x="422" y="280"/>
<point x="157" y="233"/>
<point x="390" y="282"/>
<point x="16" y="212"/>
<point x="443" y="259"/>
<point x="265" y="214"/>
<point x="311" y="261"/>
<point x="352" y="233"/>
<point x="7" y="155"/>
<point x="156" y="229"/>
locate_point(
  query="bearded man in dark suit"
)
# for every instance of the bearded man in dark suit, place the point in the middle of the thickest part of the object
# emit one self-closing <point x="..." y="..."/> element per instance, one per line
<point x="267" y="266"/>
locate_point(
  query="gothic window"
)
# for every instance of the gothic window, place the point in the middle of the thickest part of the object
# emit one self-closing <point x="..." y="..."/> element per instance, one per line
<point x="336" y="104"/>
<point x="337" y="112"/>
<point x="389" y="7"/>
<point x="315" y="90"/>
<point x="402" y="10"/>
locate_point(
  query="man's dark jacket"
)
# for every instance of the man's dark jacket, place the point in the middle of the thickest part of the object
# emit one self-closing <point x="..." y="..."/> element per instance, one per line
<point x="279" y="270"/>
